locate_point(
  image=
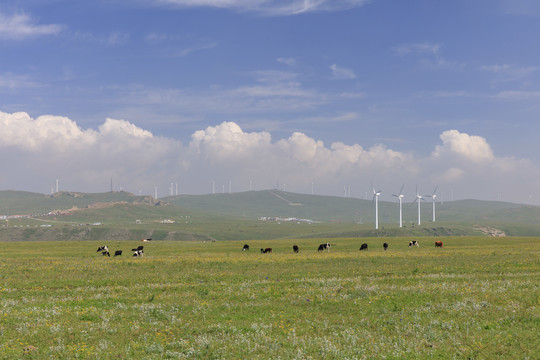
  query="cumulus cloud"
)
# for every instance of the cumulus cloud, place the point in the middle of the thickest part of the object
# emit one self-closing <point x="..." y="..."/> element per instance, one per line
<point x="22" y="26"/>
<point x="53" y="147"/>
<point x="473" y="148"/>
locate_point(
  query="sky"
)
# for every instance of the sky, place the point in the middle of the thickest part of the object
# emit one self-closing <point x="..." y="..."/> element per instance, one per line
<point x="331" y="97"/>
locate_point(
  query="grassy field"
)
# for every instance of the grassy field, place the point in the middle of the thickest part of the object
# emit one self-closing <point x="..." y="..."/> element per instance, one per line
<point x="476" y="298"/>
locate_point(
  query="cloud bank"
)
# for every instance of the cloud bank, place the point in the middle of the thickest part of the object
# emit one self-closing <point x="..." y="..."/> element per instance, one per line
<point x="39" y="150"/>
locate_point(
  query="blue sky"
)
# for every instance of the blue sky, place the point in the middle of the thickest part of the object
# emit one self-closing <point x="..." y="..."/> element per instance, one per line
<point x="335" y="93"/>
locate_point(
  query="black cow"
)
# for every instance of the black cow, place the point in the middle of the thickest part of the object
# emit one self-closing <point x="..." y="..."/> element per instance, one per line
<point x="266" y="251"/>
<point x="295" y="248"/>
<point x="385" y="246"/>
<point x="323" y="247"/>
<point x="103" y="248"/>
<point x="363" y="247"/>
<point x="118" y="253"/>
<point x="413" y="243"/>
<point x="246" y="247"/>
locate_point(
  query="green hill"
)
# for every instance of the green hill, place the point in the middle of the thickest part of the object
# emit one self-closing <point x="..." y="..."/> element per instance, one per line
<point x="121" y="215"/>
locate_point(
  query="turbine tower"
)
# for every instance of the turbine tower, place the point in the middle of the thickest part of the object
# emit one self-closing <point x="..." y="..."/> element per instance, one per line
<point x="400" y="198"/>
<point x="376" y="194"/>
<point x="433" y="196"/>
<point x="418" y="199"/>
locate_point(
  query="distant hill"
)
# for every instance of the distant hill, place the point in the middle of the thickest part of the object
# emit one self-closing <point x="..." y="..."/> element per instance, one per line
<point x="122" y="215"/>
<point x="255" y="204"/>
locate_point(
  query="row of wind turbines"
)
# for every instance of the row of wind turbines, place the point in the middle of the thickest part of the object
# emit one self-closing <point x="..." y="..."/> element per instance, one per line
<point x="400" y="196"/>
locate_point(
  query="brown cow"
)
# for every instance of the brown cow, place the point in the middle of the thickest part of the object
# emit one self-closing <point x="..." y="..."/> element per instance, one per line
<point x="438" y="244"/>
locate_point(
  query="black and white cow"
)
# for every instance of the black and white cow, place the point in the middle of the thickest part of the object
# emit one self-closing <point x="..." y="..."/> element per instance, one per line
<point x="295" y="248"/>
<point x="106" y="253"/>
<point x="413" y="243"/>
<point x="246" y="247"/>
<point x="363" y="247"/>
<point x="323" y="247"/>
<point x="139" y="248"/>
<point x="138" y="253"/>
<point x="102" y="248"/>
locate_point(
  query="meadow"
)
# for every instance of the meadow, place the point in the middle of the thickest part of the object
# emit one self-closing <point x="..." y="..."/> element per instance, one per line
<point x="476" y="298"/>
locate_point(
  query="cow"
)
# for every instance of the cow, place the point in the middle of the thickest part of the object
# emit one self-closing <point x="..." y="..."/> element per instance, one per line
<point x="106" y="253"/>
<point x="363" y="247"/>
<point x="139" y="248"/>
<point x="266" y="251"/>
<point x="323" y="247"/>
<point x="102" y="248"/>
<point x="118" y="253"/>
<point x="385" y="246"/>
<point x="146" y="240"/>
<point x="438" y="244"/>
<point x="138" y="253"/>
<point x="413" y="243"/>
<point x="246" y="247"/>
<point x="295" y="248"/>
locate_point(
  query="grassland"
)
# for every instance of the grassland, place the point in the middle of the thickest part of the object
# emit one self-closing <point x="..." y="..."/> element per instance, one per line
<point x="476" y="298"/>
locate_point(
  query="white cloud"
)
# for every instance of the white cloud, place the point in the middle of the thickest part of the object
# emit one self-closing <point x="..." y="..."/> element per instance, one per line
<point x="473" y="148"/>
<point x="22" y="26"/>
<point x="192" y="49"/>
<point x="53" y="147"/>
<point x="270" y="7"/>
<point x="418" y="48"/>
<point x="13" y="81"/>
<point x="342" y="73"/>
<point x="287" y="61"/>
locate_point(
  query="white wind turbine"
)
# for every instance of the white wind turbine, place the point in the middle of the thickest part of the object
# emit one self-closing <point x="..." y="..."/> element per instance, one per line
<point x="433" y="196"/>
<point x="376" y="195"/>
<point x="400" y="198"/>
<point x="418" y="199"/>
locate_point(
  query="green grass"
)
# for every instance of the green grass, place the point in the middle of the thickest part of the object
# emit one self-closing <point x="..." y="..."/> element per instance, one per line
<point x="476" y="298"/>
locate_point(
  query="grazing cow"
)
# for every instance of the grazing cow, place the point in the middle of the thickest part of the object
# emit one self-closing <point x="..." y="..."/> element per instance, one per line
<point x="103" y="248"/>
<point x="138" y="253"/>
<point x="438" y="244"/>
<point x="106" y="253"/>
<point x="146" y="240"/>
<point x="413" y="243"/>
<point x="246" y="247"/>
<point x="385" y="246"/>
<point x="118" y="253"/>
<point x="139" y="248"/>
<point x="323" y="247"/>
<point x="266" y="251"/>
<point x="363" y="247"/>
<point x="295" y="248"/>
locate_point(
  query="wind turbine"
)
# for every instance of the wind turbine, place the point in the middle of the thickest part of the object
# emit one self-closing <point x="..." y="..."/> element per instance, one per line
<point x="376" y="195"/>
<point x="418" y="199"/>
<point x="433" y="196"/>
<point x="400" y="198"/>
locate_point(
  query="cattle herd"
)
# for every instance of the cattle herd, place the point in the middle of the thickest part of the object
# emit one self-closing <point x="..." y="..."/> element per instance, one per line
<point x="326" y="246"/>
<point x="137" y="252"/>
